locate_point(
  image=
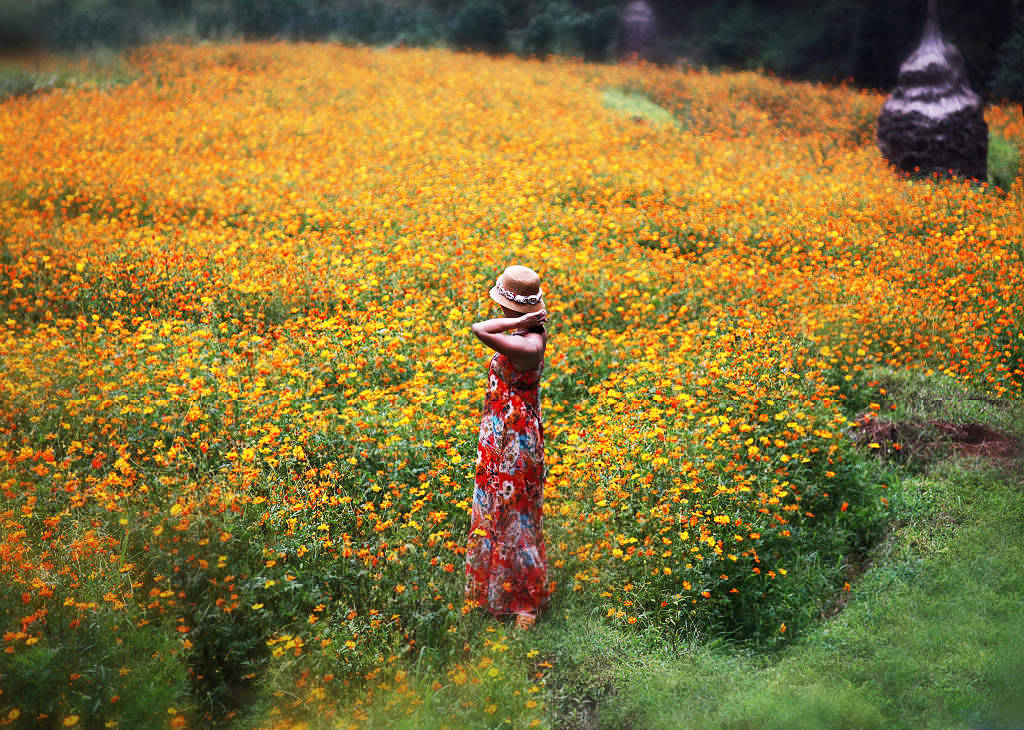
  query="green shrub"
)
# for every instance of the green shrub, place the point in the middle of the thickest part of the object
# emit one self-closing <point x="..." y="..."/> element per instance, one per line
<point x="360" y="22"/>
<point x="1003" y="161"/>
<point x="21" y="82"/>
<point x="16" y="24"/>
<point x="481" y="25"/>
<point x="370" y="22"/>
<point x="596" y="33"/>
<point x="517" y="12"/>
<point x="419" y="26"/>
<point x="290" y="18"/>
<point x="1008" y="77"/>
<point x="540" y="35"/>
<point x="95" y="23"/>
<point x="76" y="668"/>
<point x="99" y="67"/>
<point x="563" y="19"/>
<point x="733" y="37"/>
<point x="213" y="20"/>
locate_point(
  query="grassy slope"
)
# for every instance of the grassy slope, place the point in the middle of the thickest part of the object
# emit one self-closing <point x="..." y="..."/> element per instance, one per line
<point x="931" y="640"/>
<point x="930" y="636"/>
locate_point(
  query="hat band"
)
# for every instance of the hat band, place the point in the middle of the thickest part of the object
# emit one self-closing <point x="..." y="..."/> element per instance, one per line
<point x="518" y="298"/>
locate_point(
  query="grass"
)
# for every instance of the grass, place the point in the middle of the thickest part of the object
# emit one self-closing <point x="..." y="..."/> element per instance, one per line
<point x="930" y="636"/>
<point x="26" y="75"/>
<point x="637" y="105"/>
<point x="1003" y="161"/>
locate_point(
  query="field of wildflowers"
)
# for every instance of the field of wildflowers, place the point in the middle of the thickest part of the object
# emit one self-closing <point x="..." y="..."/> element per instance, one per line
<point x="239" y="402"/>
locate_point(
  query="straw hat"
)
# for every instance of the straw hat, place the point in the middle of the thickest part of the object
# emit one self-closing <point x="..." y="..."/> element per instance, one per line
<point x="518" y="289"/>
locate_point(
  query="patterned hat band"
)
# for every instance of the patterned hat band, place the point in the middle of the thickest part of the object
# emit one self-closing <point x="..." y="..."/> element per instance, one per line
<point x="518" y="298"/>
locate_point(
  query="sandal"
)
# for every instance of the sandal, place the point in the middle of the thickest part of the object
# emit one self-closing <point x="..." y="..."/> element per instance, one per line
<point x="525" y="620"/>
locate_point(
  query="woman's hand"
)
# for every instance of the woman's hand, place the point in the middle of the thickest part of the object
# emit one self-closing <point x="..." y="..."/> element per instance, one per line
<point x="532" y="319"/>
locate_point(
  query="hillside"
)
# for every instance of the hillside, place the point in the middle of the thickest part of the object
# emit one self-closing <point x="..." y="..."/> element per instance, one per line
<point x="239" y="398"/>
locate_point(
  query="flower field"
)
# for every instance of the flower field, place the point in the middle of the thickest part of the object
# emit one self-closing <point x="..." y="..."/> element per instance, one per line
<point x="239" y="397"/>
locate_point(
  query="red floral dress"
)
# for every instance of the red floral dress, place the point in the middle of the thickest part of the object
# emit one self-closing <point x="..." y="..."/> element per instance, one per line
<point x="506" y="564"/>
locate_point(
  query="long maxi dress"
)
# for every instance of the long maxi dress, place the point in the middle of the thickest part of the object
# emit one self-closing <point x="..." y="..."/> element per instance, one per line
<point x="506" y="563"/>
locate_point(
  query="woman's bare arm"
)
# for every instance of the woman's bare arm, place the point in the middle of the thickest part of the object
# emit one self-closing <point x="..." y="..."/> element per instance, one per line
<point x="524" y="352"/>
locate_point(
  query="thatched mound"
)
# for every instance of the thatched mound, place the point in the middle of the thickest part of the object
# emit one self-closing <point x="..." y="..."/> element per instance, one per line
<point x="933" y="121"/>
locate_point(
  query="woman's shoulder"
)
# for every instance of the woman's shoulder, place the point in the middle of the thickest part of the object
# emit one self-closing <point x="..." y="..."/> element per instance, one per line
<point x="541" y="339"/>
<point x="536" y="334"/>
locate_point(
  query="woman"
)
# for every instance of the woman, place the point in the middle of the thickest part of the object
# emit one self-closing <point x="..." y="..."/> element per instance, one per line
<point x="506" y="565"/>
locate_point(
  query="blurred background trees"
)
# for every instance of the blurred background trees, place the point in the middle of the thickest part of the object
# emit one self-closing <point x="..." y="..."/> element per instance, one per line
<point x="863" y="41"/>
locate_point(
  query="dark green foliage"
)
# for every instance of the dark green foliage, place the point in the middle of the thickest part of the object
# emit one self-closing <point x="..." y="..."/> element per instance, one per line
<point x="862" y="40"/>
<point x="481" y="25"/>
<point x="553" y="28"/>
<point x="1008" y="78"/>
<point x="517" y="12"/>
<point x="16" y="25"/>
<point x="597" y="31"/>
<point x="372" y="22"/>
<point x="295" y="19"/>
<point x="92" y="653"/>
<point x="735" y="37"/>
<point x="68" y="24"/>
<point x="228" y="648"/>
<point x="261" y="18"/>
<point x="540" y="35"/>
<point x="19" y="82"/>
<point x="418" y="26"/>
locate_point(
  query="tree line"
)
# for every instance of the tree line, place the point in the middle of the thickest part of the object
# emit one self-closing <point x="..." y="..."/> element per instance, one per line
<point x="862" y="41"/>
